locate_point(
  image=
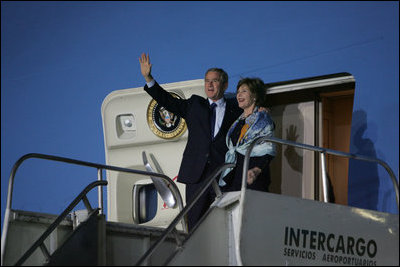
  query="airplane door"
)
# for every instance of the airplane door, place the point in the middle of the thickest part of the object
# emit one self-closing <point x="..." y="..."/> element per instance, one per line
<point x="132" y="123"/>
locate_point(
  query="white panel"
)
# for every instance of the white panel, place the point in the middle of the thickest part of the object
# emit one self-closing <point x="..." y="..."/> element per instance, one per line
<point x="126" y="135"/>
<point x="306" y="232"/>
<point x="307" y="109"/>
<point x="293" y="167"/>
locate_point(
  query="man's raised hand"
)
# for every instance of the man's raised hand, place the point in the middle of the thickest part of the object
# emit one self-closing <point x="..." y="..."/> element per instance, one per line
<point x="145" y="67"/>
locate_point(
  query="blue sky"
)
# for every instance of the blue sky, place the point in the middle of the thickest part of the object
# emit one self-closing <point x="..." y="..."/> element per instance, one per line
<point x="59" y="60"/>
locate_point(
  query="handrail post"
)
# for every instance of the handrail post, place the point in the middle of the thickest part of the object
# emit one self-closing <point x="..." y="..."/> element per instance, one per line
<point x="324" y="177"/>
<point x="100" y="190"/>
<point x="242" y="199"/>
<point x="45" y="252"/>
<point x="86" y="202"/>
<point x="216" y="188"/>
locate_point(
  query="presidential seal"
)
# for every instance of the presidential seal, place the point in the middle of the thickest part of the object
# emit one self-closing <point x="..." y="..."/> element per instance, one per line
<point x="164" y="123"/>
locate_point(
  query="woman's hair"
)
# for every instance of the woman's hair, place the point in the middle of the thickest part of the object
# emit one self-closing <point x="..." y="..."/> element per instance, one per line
<point x="257" y="89"/>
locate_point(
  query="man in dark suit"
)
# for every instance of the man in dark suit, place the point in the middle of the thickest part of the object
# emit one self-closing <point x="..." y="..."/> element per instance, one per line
<point x="204" y="151"/>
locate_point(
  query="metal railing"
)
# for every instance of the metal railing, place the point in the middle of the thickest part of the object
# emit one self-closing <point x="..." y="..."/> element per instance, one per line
<point x="40" y="241"/>
<point x="99" y="168"/>
<point x="322" y="152"/>
<point x="211" y="180"/>
<point x="208" y="182"/>
<point x="172" y="227"/>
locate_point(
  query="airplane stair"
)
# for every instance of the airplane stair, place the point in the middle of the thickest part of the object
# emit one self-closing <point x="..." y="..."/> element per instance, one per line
<point x="94" y="241"/>
<point x="246" y="227"/>
<point x="97" y="242"/>
<point x="84" y="246"/>
<point x="83" y="237"/>
<point x="275" y="230"/>
<point x="25" y="228"/>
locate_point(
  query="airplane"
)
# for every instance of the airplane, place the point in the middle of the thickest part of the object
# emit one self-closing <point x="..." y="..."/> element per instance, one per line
<point x="309" y="216"/>
<point x="333" y="198"/>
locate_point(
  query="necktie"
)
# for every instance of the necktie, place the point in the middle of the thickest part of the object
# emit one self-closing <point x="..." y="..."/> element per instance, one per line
<point x="212" y="119"/>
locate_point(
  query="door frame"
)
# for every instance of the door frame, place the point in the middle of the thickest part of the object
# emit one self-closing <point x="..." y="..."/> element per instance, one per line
<point x="311" y="89"/>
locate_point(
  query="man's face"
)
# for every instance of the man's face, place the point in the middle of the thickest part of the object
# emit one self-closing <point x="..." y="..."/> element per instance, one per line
<point x="213" y="86"/>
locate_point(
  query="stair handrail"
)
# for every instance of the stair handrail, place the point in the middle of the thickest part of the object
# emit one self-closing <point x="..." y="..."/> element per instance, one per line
<point x="210" y="180"/>
<point x="322" y="152"/>
<point x="99" y="167"/>
<point x="40" y="241"/>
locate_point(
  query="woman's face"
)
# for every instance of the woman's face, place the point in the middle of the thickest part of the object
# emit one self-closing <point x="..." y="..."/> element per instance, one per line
<point x="245" y="98"/>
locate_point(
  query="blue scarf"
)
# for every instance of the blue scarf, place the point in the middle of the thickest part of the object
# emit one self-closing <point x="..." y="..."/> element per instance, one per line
<point x="257" y="124"/>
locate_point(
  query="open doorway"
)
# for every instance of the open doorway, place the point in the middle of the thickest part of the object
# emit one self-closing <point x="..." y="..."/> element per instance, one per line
<point x="315" y="111"/>
<point x="337" y="108"/>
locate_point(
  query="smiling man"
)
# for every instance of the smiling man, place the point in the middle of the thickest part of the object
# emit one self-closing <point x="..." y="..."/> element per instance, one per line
<point x="205" y="149"/>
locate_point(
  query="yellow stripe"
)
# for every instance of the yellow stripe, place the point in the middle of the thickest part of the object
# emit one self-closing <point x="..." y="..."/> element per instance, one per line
<point x="243" y="131"/>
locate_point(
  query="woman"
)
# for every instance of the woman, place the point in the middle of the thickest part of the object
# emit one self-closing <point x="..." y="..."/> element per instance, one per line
<point x="253" y="123"/>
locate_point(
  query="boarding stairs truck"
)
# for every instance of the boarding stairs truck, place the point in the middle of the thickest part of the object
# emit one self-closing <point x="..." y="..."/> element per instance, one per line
<point x="145" y="222"/>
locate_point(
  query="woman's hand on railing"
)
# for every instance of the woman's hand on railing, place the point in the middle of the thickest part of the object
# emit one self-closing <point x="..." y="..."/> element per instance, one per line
<point x="252" y="174"/>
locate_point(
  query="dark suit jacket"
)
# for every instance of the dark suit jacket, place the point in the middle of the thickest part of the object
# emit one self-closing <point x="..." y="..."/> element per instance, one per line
<point x="201" y="152"/>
